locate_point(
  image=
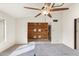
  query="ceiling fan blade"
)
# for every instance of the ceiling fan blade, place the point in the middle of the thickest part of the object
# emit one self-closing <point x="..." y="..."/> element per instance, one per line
<point x="59" y="9"/>
<point x="48" y="4"/>
<point x="58" y="5"/>
<point x="32" y="8"/>
<point x="53" y="4"/>
<point x="38" y="15"/>
<point x="43" y="7"/>
<point x="50" y="15"/>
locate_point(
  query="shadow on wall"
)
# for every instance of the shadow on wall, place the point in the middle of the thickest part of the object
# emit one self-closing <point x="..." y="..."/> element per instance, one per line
<point x="49" y="33"/>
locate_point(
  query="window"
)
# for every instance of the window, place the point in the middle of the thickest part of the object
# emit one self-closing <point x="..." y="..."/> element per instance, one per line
<point x="2" y="30"/>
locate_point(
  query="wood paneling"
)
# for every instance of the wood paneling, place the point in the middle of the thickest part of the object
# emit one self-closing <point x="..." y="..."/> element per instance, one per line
<point x="37" y="31"/>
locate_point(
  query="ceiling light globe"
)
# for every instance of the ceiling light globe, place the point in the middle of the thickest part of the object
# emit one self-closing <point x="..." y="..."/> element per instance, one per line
<point x="45" y="12"/>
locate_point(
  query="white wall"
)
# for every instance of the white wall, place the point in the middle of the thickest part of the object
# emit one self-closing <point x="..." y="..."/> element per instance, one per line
<point x="10" y="31"/>
<point x="62" y="31"/>
<point x="2" y="25"/>
<point x="68" y="24"/>
<point x="21" y="27"/>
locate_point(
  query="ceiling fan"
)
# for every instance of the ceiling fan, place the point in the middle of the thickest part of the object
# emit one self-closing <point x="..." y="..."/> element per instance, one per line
<point x="48" y="8"/>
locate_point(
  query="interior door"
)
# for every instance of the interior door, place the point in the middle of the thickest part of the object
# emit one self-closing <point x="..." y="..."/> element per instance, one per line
<point x="77" y="32"/>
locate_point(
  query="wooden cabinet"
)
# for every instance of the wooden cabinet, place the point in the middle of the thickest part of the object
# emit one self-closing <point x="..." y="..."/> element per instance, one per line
<point x="37" y="31"/>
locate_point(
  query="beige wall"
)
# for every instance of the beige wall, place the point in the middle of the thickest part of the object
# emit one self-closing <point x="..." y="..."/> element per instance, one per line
<point x="10" y="31"/>
<point x="21" y="27"/>
<point x="2" y="29"/>
<point x="68" y="24"/>
<point x="61" y="32"/>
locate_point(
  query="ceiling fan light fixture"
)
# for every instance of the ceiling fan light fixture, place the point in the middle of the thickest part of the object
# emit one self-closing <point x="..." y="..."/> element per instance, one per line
<point x="47" y="8"/>
<point x="45" y="12"/>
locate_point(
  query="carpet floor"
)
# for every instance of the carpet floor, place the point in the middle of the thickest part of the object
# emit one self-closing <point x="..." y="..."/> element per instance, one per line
<point x="46" y="49"/>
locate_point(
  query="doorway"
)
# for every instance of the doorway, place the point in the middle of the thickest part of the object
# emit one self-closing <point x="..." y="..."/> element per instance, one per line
<point x="76" y="33"/>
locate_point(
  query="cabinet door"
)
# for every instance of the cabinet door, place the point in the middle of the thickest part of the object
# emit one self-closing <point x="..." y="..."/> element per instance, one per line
<point x="45" y="31"/>
<point x="37" y="31"/>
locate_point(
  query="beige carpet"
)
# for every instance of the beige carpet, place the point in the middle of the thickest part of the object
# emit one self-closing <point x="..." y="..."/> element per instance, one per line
<point x="45" y="49"/>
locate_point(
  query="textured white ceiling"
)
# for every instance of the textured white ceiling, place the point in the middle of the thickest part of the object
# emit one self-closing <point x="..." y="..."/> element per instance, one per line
<point x="18" y="10"/>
